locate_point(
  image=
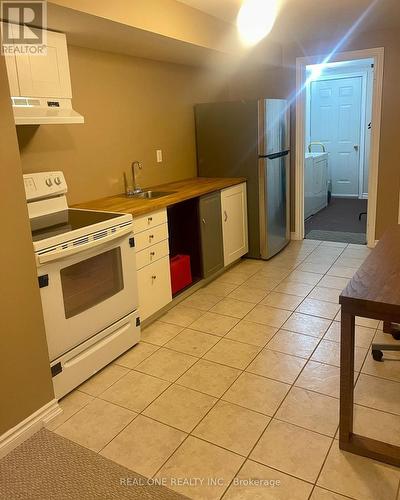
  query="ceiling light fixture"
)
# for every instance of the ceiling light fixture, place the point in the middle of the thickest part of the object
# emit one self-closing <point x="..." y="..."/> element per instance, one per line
<point x="256" y="19"/>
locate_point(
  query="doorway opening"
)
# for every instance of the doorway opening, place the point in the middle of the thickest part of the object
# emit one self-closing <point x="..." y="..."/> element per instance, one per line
<point x="338" y="137"/>
<point x="338" y="111"/>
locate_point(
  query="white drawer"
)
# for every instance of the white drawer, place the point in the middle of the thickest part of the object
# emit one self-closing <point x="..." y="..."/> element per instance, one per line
<point x="154" y="285"/>
<point x="149" y="220"/>
<point x="151" y="237"/>
<point x="151" y="254"/>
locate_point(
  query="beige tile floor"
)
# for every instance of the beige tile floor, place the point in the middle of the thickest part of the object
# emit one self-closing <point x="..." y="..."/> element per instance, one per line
<point x="234" y="392"/>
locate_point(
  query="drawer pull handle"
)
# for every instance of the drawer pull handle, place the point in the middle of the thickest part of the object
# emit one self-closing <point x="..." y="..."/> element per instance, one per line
<point x="152" y="254"/>
<point x="150" y="219"/>
<point x="151" y="236"/>
<point x="153" y="277"/>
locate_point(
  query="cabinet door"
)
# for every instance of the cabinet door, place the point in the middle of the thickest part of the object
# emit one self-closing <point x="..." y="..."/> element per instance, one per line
<point x="154" y="286"/>
<point x="234" y="222"/>
<point x="211" y="233"/>
<point x="46" y="76"/>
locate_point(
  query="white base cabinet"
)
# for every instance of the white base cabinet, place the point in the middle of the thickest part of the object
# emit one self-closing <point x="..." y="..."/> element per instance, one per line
<point x="154" y="285"/>
<point x="152" y="248"/>
<point x="234" y="222"/>
<point x="152" y="262"/>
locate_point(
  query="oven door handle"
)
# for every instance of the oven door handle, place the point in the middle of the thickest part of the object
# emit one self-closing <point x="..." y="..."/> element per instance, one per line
<point x="62" y="253"/>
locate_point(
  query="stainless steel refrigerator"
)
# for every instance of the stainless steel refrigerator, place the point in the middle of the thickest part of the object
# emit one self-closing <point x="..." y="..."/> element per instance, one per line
<point x="251" y="139"/>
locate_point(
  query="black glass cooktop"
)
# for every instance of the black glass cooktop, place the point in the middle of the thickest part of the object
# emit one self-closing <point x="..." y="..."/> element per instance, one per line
<point x="65" y="222"/>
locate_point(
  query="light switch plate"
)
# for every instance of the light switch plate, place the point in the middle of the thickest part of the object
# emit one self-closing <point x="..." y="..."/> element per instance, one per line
<point x="159" y="155"/>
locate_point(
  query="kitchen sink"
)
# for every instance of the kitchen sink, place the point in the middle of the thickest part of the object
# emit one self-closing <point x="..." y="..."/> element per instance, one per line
<point x="148" y="195"/>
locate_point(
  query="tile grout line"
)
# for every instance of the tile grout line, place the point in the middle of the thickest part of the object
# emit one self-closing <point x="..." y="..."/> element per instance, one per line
<point x="216" y="402"/>
<point x="171" y="383"/>
<point x="260" y="348"/>
<point x="273" y="416"/>
<point x="219" y="399"/>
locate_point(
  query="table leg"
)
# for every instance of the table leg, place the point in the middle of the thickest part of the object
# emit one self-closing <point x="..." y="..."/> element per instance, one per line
<point x="347" y="343"/>
<point x="387" y="327"/>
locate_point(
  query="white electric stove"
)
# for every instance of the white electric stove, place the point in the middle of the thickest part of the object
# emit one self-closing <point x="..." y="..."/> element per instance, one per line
<point x="87" y="279"/>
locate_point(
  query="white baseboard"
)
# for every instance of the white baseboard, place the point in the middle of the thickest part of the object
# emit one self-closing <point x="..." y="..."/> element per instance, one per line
<point x="25" y="429"/>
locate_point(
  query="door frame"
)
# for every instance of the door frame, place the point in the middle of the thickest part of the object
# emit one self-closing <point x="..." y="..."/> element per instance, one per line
<point x="363" y="160"/>
<point x="377" y="54"/>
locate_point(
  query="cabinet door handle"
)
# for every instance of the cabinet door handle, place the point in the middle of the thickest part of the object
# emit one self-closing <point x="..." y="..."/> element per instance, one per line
<point x="203" y="221"/>
<point x="151" y="236"/>
<point x="152" y="254"/>
<point x="154" y="277"/>
<point x="225" y="216"/>
<point x="149" y="219"/>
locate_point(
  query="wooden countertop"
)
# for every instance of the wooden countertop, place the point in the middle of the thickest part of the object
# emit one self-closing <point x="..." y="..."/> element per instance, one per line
<point x="375" y="287"/>
<point x="180" y="191"/>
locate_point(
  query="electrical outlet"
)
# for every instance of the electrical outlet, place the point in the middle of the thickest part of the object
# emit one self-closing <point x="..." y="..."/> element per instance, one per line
<point x="159" y="155"/>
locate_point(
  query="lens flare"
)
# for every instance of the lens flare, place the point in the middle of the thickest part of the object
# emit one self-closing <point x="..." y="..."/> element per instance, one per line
<point x="256" y="19"/>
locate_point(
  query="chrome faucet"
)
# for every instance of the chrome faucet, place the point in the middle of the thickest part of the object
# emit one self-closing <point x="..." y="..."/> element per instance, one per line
<point x="136" y="187"/>
<point x="132" y="188"/>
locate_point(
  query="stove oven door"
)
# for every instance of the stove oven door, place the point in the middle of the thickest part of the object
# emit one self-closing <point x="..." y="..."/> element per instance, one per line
<point x="86" y="291"/>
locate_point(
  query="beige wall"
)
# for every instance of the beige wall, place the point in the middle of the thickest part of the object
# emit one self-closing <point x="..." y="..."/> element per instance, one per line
<point x="131" y="107"/>
<point x="25" y="380"/>
<point x="389" y="172"/>
<point x="257" y="83"/>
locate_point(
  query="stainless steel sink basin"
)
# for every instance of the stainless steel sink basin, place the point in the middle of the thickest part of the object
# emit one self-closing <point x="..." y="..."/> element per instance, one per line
<point x="148" y="195"/>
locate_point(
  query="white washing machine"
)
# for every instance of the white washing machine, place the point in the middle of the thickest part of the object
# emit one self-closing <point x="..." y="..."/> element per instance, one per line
<point x="316" y="177"/>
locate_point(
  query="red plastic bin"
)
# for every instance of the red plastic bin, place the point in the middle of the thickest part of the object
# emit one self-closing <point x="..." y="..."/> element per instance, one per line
<point x="181" y="274"/>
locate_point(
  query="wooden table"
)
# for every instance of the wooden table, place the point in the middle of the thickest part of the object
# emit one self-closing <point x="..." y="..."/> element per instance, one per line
<point x="373" y="292"/>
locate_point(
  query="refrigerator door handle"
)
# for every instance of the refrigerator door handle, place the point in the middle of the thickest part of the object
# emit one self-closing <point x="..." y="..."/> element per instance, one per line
<point x="263" y="206"/>
<point x="274" y="156"/>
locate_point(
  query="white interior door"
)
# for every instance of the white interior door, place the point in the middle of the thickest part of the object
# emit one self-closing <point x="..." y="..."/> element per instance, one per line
<point x="335" y="121"/>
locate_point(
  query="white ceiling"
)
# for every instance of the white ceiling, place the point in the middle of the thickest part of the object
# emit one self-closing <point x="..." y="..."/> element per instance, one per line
<point x="312" y="19"/>
<point x="223" y="9"/>
<point x="85" y="30"/>
<point x="298" y="21"/>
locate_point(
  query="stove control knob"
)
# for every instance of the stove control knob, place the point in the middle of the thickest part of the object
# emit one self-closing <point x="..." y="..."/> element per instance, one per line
<point x="57" y="181"/>
<point x="49" y="182"/>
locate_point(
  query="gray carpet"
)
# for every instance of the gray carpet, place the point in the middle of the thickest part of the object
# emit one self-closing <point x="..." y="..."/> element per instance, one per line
<point x="50" y="467"/>
<point x="340" y="236"/>
<point x="340" y="215"/>
<point x="339" y="221"/>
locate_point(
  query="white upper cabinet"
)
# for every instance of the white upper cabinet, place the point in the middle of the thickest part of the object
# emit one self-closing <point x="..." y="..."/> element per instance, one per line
<point x="234" y="222"/>
<point x="42" y="76"/>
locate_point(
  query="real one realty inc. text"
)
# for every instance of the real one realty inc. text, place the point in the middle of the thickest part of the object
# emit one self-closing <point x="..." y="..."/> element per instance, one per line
<point x="199" y="481"/>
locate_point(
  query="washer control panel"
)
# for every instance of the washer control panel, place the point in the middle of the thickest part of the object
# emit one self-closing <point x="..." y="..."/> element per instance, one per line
<point x="44" y="185"/>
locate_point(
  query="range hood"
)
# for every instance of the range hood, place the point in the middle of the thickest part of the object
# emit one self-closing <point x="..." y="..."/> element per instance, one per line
<point x="38" y="111"/>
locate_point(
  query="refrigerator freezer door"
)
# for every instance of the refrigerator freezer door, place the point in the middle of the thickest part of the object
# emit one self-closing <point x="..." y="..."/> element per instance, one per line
<point x="273" y="126"/>
<point x="274" y="205"/>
